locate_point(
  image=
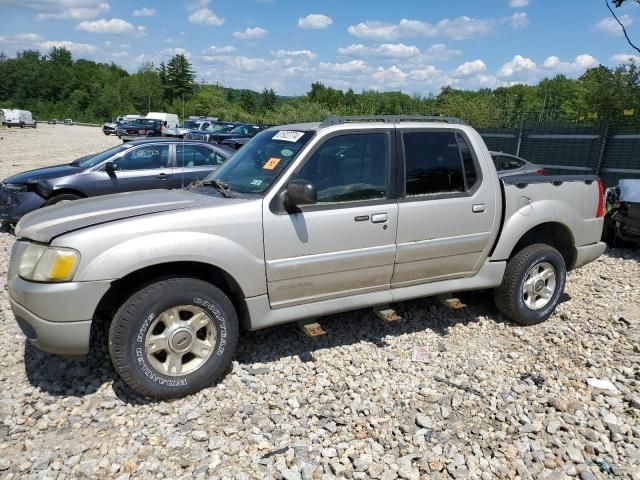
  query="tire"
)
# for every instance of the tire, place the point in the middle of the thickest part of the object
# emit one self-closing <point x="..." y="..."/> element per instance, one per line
<point x="64" y="197"/>
<point x="21" y="124"/>
<point x="526" y="306"/>
<point x="143" y="315"/>
<point x="35" y="124"/>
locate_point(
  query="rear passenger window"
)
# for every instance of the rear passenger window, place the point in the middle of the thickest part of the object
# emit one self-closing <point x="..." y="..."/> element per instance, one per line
<point x="438" y="163"/>
<point x="196" y="156"/>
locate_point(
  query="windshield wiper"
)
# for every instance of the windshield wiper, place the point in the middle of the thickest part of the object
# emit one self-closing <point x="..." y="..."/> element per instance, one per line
<point x="222" y="187"/>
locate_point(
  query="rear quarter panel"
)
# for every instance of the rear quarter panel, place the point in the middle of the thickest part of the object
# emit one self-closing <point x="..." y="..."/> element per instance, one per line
<point x="572" y="203"/>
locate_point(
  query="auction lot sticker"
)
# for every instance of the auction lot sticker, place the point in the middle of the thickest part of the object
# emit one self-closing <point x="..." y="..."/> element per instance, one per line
<point x="288" y="135"/>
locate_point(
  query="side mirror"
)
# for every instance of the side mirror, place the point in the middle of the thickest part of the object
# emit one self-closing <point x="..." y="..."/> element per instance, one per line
<point x="300" y="192"/>
<point x="110" y="167"/>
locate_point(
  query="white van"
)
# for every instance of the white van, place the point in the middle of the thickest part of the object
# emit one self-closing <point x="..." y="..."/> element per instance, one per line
<point x="19" y="118"/>
<point x="170" y="118"/>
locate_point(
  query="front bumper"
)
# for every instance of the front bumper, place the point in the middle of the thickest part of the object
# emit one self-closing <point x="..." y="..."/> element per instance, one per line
<point x="14" y="205"/>
<point x="56" y="317"/>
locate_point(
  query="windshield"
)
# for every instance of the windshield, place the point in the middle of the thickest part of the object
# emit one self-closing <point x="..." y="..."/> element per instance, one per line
<point x="190" y="124"/>
<point x="257" y="165"/>
<point x="145" y="122"/>
<point x="92" y="161"/>
<point x="219" y="128"/>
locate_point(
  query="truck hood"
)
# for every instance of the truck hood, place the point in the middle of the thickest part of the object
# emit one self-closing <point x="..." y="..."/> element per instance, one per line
<point x="45" y="224"/>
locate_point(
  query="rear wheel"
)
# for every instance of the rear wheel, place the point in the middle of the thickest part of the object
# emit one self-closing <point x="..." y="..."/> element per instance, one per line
<point x="532" y="285"/>
<point x="174" y="337"/>
<point x="62" y="198"/>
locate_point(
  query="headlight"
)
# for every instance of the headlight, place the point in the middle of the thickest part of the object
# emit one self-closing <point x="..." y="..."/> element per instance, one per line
<point x="40" y="263"/>
<point x="15" y="187"/>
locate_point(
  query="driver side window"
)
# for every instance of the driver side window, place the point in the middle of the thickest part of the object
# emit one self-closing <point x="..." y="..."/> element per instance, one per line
<point x="349" y="168"/>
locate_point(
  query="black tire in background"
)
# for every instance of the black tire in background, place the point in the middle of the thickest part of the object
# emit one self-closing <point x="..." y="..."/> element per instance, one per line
<point x="64" y="197"/>
<point x="509" y="297"/>
<point x="134" y="321"/>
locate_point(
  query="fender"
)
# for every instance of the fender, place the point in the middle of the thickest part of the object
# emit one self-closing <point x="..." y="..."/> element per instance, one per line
<point x="158" y="248"/>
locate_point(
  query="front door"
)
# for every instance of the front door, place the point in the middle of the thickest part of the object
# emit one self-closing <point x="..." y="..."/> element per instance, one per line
<point x="345" y="244"/>
<point x="447" y="218"/>
<point x="143" y="167"/>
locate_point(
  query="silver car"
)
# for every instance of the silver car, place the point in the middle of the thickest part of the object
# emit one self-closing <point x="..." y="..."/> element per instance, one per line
<point x="507" y="164"/>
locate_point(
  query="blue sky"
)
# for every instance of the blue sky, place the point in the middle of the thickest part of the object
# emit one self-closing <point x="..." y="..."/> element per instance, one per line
<point x="416" y="46"/>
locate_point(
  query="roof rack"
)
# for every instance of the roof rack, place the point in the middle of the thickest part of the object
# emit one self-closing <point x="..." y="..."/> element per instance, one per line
<point x="337" y="120"/>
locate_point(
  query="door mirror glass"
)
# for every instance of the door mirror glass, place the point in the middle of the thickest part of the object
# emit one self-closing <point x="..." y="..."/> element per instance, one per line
<point x="300" y="192"/>
<point x="111" y="167"/>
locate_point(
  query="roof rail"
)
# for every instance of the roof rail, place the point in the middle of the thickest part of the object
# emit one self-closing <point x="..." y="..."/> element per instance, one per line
<point x="337" y="120"/>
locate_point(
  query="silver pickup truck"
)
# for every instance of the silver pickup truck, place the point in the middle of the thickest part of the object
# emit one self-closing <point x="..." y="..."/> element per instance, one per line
<point x="305" y="220"/>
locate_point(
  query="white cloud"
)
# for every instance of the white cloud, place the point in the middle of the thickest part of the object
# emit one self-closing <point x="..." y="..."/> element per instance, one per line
<point x="27" y="37"/>
<point x="354" y="66"/>
<point x="518" y="3"/>
<point x="609" y="25"/>
<point x="625" y="57"/>
<point x="315" y="21"/>
<point x="470" y="68"/>
<point x="392" y="77"/>
<point x="295" y="53"/>
<point x="205" y="16"/>
<point x="113" y="26"/>
<point x="79" y="48"/>
<point x="251" y="34"/>
<point x="439" y="51"/>
<point x="428" y="72"/>
<point x="144" y="12"/>
<point x="170" y="52"/>
<point x="459" y="29"/>
<point x="62" y="9"/>
<point x="213" y="50"/>
<point x="519" y="20"/>
<point x="578" y="66"/>
<point x="386" y="50"/>
<point x="516" y="65"/>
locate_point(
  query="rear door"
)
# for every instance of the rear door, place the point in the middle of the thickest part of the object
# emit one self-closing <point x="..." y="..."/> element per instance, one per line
<point x="194" y="162"/>
<point x="344" y="244"/>
<point x="447" y="218"/>
<point x="142" y="167"/>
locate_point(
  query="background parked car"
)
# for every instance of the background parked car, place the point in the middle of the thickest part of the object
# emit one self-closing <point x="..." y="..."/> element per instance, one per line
<point x="507" y="164"/>
<point x="68" y="121"/>
<point x="243" y="130"/>
<point x="139" y="129"/>
<point x="53" y="121"/>
<point x="19" y="118"/>
<point x="188" y="126"/>
<point x="142" y="165"/>
<point x="171" y="119"/>
<point x="622" y="221"/>
<point x="214" y="128"/>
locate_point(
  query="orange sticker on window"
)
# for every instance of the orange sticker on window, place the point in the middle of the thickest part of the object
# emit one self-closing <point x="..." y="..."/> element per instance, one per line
<point x="271" y="163"/>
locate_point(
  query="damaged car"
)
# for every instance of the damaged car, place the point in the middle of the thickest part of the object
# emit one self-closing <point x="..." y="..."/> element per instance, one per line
<point x="141" y="165"/>
<point x="622" y="221"/>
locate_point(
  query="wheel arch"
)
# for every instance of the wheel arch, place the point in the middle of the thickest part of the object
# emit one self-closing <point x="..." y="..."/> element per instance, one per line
<point x="554" y="234"/>
<point x="123" y="288"/>
<point x="66" y="191"/>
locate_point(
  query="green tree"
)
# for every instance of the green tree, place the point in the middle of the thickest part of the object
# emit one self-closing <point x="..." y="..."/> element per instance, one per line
<point x="179" y="77"/>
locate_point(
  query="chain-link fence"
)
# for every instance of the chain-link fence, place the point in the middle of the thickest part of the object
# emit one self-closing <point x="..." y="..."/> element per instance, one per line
<point x="605" y="148"/>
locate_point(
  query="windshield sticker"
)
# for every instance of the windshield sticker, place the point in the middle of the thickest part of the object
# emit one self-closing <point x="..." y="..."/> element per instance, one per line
<point x="285" y="152"/>
<point x="271" y="163"/>
<point x="257" y="183"/>
<point x="288" y="135"/>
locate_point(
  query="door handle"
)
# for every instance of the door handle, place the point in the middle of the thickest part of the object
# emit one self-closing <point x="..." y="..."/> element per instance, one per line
<point x="162" y="176"/>
<point x="379" y="218"/>
<point x="478" y="208"/>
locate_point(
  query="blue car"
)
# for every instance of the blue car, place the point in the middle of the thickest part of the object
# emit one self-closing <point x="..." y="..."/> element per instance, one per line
<point x="140" y="165"/>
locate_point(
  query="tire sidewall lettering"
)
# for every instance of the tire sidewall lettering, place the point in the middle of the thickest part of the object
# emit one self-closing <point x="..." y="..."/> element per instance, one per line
<point x="140" y="336"/>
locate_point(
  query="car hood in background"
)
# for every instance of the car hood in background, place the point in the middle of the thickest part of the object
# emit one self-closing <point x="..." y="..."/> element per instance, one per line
<point x="629" y="191"/>
<point x="45" y="224"/>
<point x="43" y="173"/>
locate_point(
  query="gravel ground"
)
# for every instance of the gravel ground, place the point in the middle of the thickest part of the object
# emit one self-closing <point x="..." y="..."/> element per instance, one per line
<point x="491" y="400"/>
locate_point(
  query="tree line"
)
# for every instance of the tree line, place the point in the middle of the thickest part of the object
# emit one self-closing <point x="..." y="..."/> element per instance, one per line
<point x="57" y="86"/>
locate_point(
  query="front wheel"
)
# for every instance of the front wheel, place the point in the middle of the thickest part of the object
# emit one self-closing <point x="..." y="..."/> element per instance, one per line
<point x="174" y="337"/>
<point x="532" y="285"/>
<point x="62" y="198"/>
